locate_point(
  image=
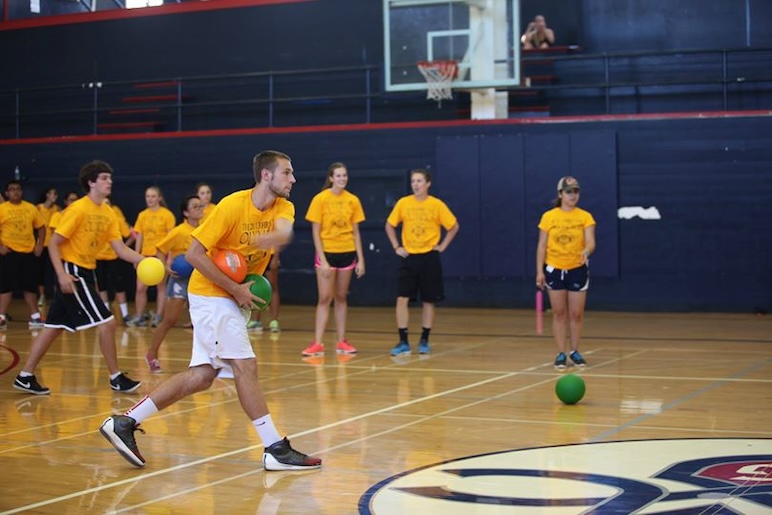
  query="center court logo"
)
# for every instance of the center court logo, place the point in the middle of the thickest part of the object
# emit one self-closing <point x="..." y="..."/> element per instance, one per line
<point x="684" y="476"/>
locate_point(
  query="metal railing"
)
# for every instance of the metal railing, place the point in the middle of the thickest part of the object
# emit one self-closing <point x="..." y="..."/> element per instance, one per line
<point x="573" y="84"/>
<point x="721" y="68"/>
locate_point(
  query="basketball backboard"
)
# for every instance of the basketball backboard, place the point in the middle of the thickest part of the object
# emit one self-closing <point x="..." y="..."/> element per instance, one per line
<point x="481" y="35"/>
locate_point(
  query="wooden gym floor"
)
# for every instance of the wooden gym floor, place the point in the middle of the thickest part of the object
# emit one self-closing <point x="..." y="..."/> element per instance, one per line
<point x="487" y="387"/>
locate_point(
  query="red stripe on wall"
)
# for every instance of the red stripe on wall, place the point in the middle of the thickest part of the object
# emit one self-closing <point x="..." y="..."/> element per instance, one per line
<point x="150" y="98"/>
<point x="134" y="111"/>
<point x="395" y="125"/>
<point x="165" y="84"/>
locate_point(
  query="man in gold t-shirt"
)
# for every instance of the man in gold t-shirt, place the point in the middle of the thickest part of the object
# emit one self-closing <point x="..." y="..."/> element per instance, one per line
<point x="420" y="270"/>
<point x="87" y="224"/>
<point x="252" y="222"/>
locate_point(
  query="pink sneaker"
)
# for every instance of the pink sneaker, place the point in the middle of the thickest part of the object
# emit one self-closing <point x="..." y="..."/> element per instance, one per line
<point x="344" y="348"/>
<point x="153" y="363"/>
<point x="315" y="349"/>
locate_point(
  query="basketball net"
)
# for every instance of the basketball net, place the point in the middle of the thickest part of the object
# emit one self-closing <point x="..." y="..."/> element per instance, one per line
<point x="439" y="76"/>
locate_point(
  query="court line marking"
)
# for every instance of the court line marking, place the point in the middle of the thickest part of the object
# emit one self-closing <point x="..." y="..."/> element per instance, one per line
<point x="534" y="335"/>
<point x="419" y="421"/>
<point x="99" y="416"/>
<point x="365" y="415"/>
<point x="390" y="430"/>
<point x="364" y="369"/>
<point x="680" y="400"/>
<point x="197" y="406"/>
<point x="14" y="358"/>
<point x="184" y="401"/>
<point x="583" y="424"/>
<point x="249" y="448"/>
<point x="187" y="491"/>
<point x="256" y="471"/>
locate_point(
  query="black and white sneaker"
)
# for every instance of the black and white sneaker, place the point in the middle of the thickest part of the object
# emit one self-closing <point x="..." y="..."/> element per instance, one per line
<point x="281" y="456"/>
<point x="30" y="384"/>
<point x="577" y="359"/>
<point x="123" y="383"/>
<point x="36" y="323"/>
<point x="119" y="431"/>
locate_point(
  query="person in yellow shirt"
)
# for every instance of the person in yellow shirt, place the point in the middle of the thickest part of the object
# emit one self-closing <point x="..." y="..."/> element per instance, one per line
<point x="152" y="225"/>
<point x="22" y="232"/>
<point x="115" y="274"/>
<point x="176" y="243"/>
<point x="204" y="193"/>
<point x="566" y="241"/>
<point x="423" y="217"/>
<point x="69" y="198"/>
<point x="252" y="222"/>
<point x="335" y="215"/>
<point x="48" y="207"/>
<point x="85" y="226"/>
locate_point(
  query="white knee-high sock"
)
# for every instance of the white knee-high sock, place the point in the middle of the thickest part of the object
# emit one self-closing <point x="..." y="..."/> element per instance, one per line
<point x="143" y="409"/>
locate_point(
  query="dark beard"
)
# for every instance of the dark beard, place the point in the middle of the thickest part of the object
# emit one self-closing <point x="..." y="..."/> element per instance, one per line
<point x="278" y="193"/>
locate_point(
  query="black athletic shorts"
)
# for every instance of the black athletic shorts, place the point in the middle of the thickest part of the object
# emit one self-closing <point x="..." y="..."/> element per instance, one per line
<point x="19" y="271"/>
<point x="79" y="310"/>
<point x="114" y="275"/>
<point x="576" y="279"/>
<point x="421" y="274"/>
<point x="338" y="260"/>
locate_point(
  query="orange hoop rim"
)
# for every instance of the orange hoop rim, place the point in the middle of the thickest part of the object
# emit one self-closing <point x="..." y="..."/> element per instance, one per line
<point x="440" y="64"/>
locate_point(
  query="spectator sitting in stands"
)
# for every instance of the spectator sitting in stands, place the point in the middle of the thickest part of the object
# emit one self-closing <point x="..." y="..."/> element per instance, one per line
<point x="537" y="35"/>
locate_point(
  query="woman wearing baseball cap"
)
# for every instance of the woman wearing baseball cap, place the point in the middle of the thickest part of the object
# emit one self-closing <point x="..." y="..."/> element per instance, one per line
<point x="566" y="241"/>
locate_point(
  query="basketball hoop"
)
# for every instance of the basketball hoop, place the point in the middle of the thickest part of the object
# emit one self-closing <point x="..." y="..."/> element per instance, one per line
<point x="439" y="75"/>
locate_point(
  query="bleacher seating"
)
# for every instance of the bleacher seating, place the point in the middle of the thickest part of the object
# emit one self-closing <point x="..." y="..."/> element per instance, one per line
<point x="561" y="81"/>
<point x="537" y="68"/>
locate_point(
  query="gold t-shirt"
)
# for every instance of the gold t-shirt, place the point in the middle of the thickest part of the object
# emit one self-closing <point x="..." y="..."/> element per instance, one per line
<point x="234" y="224"/>
<point x="565" y="236"/>
<point x="177" y="241"/>
<point x="336" y="216"/>
<point x="421" y="222"/>
<point x="47" y="213"/>
<point x="18" y="223"/>
<point x="86" y="227"/>
<point x="107" y="253"/>
<point x="153" y="225"/>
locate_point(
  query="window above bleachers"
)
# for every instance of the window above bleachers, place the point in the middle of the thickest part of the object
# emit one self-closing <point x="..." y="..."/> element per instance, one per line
<point x="23" y="14"/>
<point x="138" y="4"/>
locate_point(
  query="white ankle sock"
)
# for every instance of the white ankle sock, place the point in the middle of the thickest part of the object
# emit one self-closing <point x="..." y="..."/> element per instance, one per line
<point x="266" y="430"/>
